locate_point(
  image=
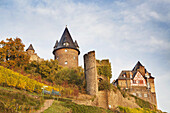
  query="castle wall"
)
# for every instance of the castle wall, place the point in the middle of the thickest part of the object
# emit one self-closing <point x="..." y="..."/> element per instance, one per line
<point x="107" y="99"/>
<point x="102" y="97"/>
<point x="91" y="73"/>
<point x="139" y="91"/>
<point x="67" y="57"/>
<point x="144" y="93"/>
<point x="110" y="99"/>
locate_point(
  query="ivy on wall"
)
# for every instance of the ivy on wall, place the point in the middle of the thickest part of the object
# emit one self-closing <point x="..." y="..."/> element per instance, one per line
<point x="104" y="68"/>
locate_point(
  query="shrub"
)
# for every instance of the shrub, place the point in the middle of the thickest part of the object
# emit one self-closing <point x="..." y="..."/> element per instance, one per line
<point x="14" y="79"/>
<point x="143" y="104"/>
<point x="135" y="110"/>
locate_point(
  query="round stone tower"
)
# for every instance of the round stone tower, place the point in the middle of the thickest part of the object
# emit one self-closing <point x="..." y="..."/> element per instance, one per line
<point x="66" y="51"/>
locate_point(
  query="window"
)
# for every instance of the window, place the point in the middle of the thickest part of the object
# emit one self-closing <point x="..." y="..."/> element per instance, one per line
<point x="140" y="81"/>
<point x="134" y="81"/>
<point x="137" y="81"/>
<point x="145" y="95"/>
<point x="134" y="94"/>
<point x="124" y="76"/>
<point x="66" y="44"/>
<point x="65" y="50"/>
<point x="139" y="95"/>
<point x="57" y="58"/>
<point x="74" y="57"/>
<point x="65" y="62"/>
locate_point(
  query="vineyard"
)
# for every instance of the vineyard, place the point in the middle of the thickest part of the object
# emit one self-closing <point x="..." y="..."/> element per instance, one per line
<point x="13" y="79"/>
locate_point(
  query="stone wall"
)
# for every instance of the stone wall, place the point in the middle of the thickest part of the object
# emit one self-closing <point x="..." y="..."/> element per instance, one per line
<point x="90" y="73"/>
<point x="67" y="57"/>
<point x="140" y="91"/>
<point x="143" y="93"/>
<point x="110" y="99"/>
<point x="106" y="99"/>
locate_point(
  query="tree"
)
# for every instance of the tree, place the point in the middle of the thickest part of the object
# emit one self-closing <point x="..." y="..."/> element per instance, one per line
<point x="12" y="53"/>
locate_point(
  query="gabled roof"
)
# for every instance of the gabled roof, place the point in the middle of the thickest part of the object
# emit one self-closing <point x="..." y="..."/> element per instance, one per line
<point x="137" y="66"/>
<point x="133" y="72"/>
<point x="66" y="38"/>
<point x="30" y="48"/>
<point x="126" y="73"/>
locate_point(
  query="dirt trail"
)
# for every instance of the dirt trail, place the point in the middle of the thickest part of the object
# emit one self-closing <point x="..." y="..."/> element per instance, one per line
<point x="47" y="104"/>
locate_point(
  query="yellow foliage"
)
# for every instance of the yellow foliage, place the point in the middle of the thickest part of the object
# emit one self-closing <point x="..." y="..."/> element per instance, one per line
<point x="14" y="79"/>
<point x="135" y="110"/>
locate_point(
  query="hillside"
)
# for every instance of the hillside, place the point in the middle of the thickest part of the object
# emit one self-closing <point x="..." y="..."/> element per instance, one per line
<point x="20" y="93"/>
<point x="9" y="78"/>
<point x="14" y="100"/>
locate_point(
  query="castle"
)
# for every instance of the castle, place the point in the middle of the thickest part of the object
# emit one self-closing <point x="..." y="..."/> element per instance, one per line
<point x="66" y="51"/>
<point x="137" y="81"/>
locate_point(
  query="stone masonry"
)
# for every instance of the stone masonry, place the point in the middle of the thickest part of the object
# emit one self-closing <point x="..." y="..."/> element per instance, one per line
<point x="67" y="57"/>
<point x="91" y="73"/>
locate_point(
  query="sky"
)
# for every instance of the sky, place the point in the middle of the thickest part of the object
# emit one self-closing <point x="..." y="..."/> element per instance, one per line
<point x="123" y="31"/>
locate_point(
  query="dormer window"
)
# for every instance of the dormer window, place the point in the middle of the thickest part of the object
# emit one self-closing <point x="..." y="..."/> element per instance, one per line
<point x="124" y="76"/>
<point x="66" y="44"/>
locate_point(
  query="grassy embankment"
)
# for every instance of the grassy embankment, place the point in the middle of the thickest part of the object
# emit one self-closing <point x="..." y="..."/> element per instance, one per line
<point x="70" y="107"/>
<point x="13" y="100"/>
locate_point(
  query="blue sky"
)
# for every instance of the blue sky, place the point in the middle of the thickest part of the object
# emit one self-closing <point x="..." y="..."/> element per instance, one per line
<point x="124" y="31"/>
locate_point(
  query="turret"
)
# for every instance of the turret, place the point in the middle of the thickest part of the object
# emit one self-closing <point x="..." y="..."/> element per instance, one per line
<point x="66" y="51"/>
<point x="30" y="49"/>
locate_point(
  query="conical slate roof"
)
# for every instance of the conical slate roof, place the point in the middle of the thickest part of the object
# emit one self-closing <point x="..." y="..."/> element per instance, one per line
<point x="30" y="48"/>
<point x="76" y="44"/>
<point x="66" y="41"/>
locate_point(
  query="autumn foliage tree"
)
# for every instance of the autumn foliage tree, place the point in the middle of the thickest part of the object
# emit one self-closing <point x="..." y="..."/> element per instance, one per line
<point x="12" y="53"/>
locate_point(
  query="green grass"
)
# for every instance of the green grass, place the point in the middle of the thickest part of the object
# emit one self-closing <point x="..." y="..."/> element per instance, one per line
<point x="70" y="107"/>
<point x="57" y="107"/>
<point x="14" y="100"/>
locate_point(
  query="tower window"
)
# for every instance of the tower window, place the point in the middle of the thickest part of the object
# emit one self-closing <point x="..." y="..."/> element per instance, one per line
<point x="65" y="50"/>
<point x="65" y="62"/>
<point x="57" y="58"/>
<point x="66" y="44"/>
<point x="74" y="57"/>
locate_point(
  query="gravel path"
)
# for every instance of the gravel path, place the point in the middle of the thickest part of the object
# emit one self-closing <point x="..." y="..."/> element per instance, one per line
<point x="47" y="104"/>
